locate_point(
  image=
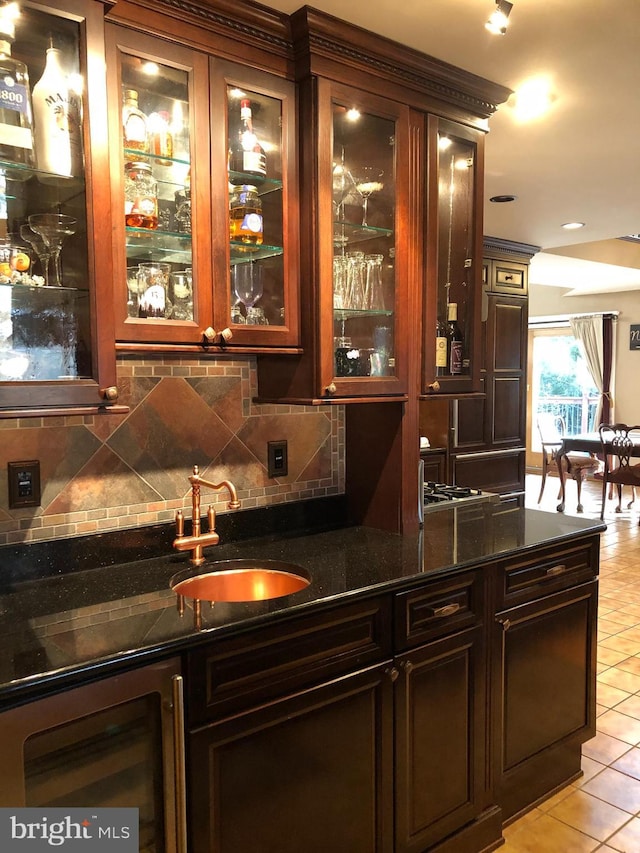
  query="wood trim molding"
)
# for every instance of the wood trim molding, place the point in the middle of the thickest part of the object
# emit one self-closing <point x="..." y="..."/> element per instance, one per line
<point x="501" y="247"/>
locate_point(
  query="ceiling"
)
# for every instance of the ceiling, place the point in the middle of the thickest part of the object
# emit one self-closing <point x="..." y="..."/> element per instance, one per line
<point x="579" y="162"/>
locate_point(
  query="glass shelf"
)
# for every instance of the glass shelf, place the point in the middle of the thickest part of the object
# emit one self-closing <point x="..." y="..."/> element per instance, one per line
<point x="352" y="313"/>
<point x="172" y="246"/>
<point x="40" y="288"/>
<point x="263" y="185"/>
<point x="348" y="233"/>
<point x="241" y="253"/>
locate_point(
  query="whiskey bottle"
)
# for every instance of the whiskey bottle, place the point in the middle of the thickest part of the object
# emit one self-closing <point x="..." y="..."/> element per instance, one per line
<point x="57" y="117"/>
<point x="442" y="349"/>
<point x="16" y="117"/>
<point x="134" y="128"/>
<point x="456" y="341"/>
<point x="160" y="137"/>
<point x="246" y="154"/>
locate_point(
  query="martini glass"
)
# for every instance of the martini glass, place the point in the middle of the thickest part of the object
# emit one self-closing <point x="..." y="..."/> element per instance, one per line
<point x="368" y="182"/>
<point x="39" y="247"/>
<point x="54" y="228"/>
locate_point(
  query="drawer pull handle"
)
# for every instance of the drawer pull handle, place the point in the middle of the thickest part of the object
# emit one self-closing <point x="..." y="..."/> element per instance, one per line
<point x="556" y="570"/>
<point x="506" y="624"/>
<point x="392" y="672"/>
<point x="446" y="610"/>
<point x="407" y="666"/>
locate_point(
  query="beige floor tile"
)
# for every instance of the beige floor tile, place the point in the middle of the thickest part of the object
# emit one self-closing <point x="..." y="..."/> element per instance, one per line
<point x="621" y="726"/>
<point x="623" y="618"/>
<point x="630" y="706"/>
<point x="629" y="763"/>
<point x="631" y="664"/>
<point x="604" y="748"/>
<point x="525" y="820"/>
<point x="610" y="656"/>
<point x="610" y="696"/>
<point x="590" y="768"/>
<point x="628" y="838"/>
<point x="621" y="679"/>
<point x="547" y="835"/>
<point x="556" y="798"/>
<point x="590" y="815"/>
<point x="601" y="709"/>
<point x="615" y="788"/>
<point x="621" y="644"/>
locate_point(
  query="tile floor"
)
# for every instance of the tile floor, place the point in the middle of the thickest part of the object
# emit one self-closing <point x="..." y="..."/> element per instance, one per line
<point x="601" y="810"/>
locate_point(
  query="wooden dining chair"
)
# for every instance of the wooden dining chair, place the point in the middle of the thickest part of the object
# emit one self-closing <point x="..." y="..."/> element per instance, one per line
<point x="620" y="469"/>
<point x="575" y="465"/>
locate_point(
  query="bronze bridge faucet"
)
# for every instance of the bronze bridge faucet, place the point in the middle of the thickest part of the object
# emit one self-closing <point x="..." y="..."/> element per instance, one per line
<point x="197" y="541"/>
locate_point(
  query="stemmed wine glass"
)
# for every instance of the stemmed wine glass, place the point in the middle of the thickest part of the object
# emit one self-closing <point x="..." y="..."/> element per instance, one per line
<point x="368" y="182"/>
<point x="54" y="228"/>
<point x="247" y="283"/>
<point x="39" y="247"/>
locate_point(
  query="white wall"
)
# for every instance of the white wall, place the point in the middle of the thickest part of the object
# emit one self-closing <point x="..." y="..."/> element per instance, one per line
<point x="551" y="301"/>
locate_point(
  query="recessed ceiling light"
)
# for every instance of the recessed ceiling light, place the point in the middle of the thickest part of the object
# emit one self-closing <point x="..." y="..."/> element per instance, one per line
<point x="502" y="199"/>
<point x="571" y="226"/>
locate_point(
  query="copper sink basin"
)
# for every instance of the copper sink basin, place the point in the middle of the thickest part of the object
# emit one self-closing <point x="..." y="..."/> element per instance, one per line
<point x="241" y="580"/>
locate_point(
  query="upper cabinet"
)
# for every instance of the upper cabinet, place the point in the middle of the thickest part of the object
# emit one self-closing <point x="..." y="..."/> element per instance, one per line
<point x="452" y="348"/>
<point x="55" y="258"/>
<point x="204" y="174"/>
<point x="351" y="286"/>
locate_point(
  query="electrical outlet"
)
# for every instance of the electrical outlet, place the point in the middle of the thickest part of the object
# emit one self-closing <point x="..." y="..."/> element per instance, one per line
<point x="24" y="483"/>
<point x="277" y="458"/>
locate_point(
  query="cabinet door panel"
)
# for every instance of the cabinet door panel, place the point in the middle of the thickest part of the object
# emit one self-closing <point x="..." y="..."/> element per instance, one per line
<point x="545" y="699"/>
<point x="309" y="773"/>
<point x="53" y="355"/>
<point x="509" y="343"/>
<point x="508" y="395"/>
<point x="439" y="739"/>
<point x="162" y="284"/>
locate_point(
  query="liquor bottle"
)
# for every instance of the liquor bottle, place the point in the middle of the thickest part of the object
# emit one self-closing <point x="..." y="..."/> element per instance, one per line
<point x="134" y="127"/>
<point x="56" y="112"/>
<point x="456" y="340"/>
<point x="246" y="155"/>
<point x="442" y="349"/>
<point x="245" y="215"/>
<point x="160" y="137"/>
<point x="16" y="116"/>
<point x="140" y="197"/>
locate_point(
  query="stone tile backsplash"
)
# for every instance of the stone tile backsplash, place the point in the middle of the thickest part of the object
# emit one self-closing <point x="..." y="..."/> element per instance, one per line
<point x="107" y="472"/>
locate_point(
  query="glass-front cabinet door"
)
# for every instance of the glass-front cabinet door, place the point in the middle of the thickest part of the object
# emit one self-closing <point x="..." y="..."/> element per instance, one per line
<point x="253" y="168"/>
<point x="454" y="258"/>
<point x="362" y="324"/>
<point x="54" y="210"/>
<point x="160" y="184"/>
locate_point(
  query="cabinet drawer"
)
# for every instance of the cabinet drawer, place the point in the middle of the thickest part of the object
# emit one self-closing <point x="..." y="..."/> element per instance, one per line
<point x="440" y="608"/>
<point x="509" y="278"/>
<point x="263" y="663"/>
<point x="549" y="570"/>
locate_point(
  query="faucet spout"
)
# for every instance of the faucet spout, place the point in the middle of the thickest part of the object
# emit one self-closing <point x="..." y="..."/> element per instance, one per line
<point x="198" y="540"/>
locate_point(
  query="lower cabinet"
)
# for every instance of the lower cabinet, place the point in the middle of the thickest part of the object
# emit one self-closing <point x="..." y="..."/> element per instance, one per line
<point x="416" y="721"/>
<point x="310" y="772"/>
<point x="544" y="693"/>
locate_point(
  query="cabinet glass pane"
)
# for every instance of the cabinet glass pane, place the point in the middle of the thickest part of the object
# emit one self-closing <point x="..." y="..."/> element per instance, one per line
<point x="157" y="190"/>
<point x="45" y="328"/>
<point x="363" y="243"/>
<point x="255" y="208"/>
<point x="455" y="252"/>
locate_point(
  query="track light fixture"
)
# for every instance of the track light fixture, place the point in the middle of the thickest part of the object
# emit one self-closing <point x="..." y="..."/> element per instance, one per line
<point x="499" y="18"/>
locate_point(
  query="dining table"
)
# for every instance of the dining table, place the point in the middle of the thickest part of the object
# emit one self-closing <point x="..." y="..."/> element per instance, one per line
<point x="587" y="442"/>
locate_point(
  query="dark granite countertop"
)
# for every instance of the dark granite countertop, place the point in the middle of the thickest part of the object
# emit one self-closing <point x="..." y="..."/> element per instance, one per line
<point x="67" y="628"/>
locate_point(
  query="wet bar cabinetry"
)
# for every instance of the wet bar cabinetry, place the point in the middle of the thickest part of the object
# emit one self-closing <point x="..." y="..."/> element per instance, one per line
<point x="420" y="700"/>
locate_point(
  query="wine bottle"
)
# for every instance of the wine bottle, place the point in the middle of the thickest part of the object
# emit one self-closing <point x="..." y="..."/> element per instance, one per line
<point x="442" y="348"/>
<point x="246" y="154"/>
<point x="56" y="112"/>
<point x="16" y="116"/>
<point x="134" y="127"/>
<point x="456" y="341"/>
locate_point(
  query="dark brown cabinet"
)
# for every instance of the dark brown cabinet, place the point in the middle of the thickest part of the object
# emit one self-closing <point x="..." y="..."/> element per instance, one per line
<point x="543" y="662"/>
